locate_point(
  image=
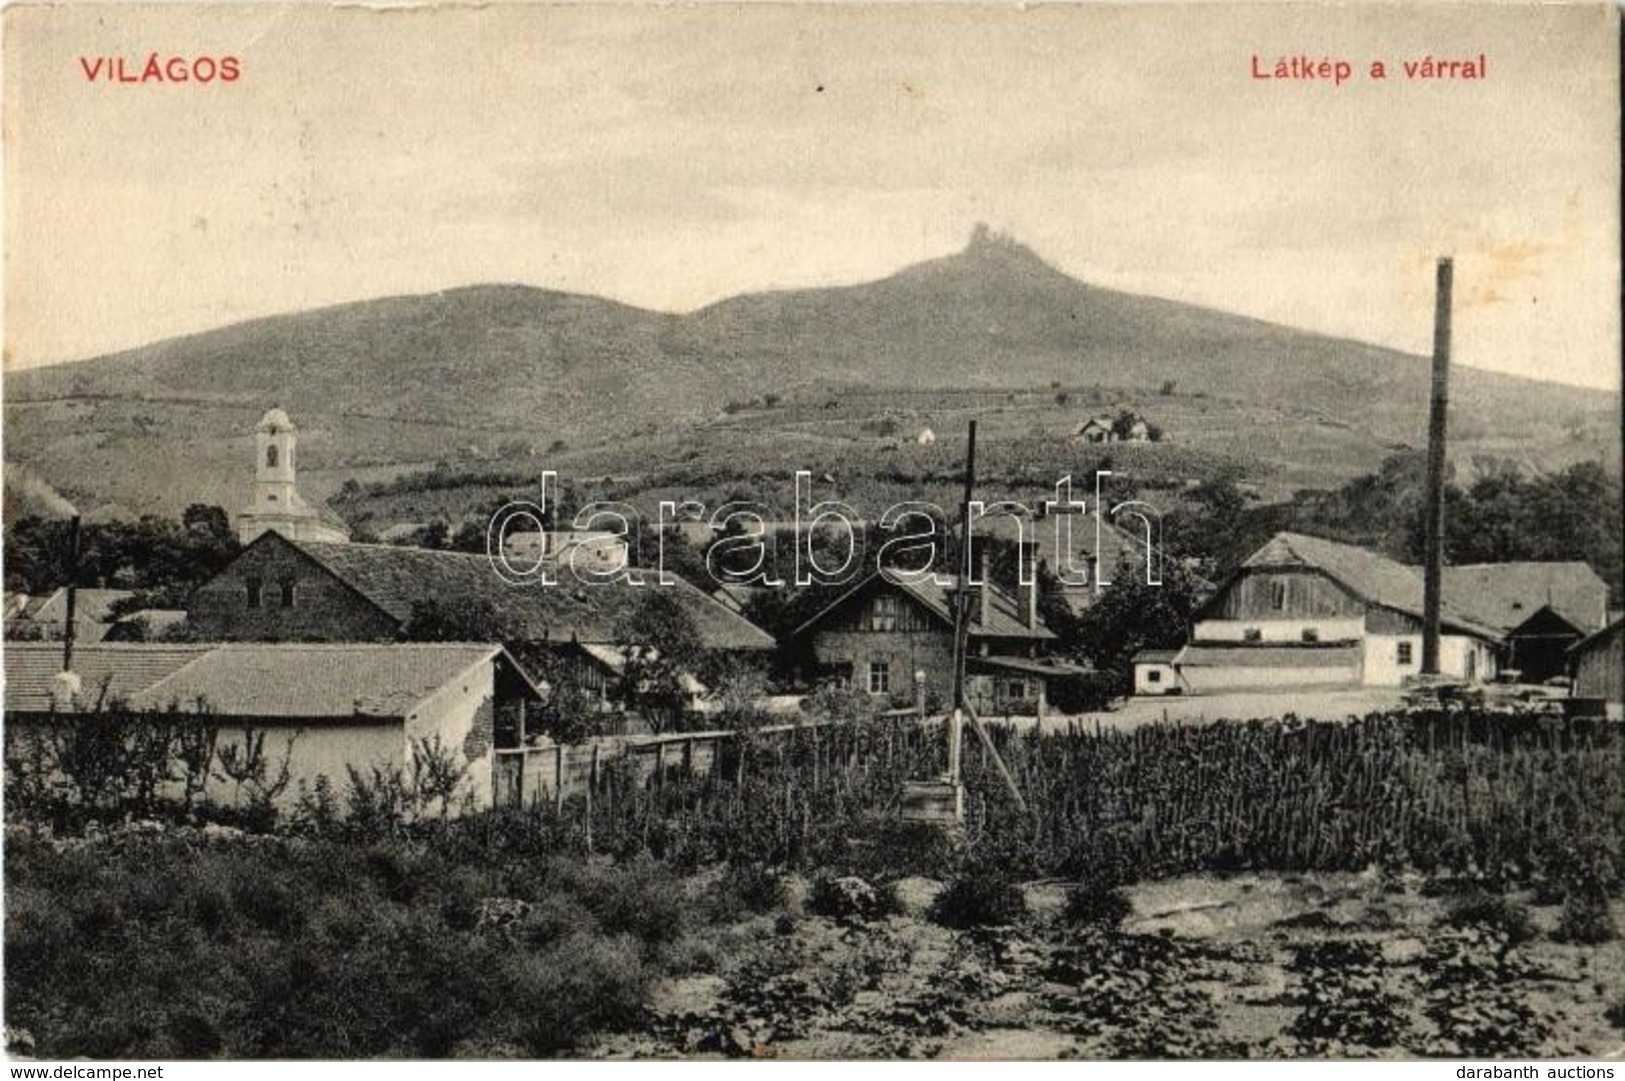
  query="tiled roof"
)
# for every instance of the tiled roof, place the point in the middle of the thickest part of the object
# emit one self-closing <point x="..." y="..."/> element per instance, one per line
<point x="1372" y="577"/>
<point x="91" y="605"/>
<point x="1156" y="656"/>
<point x="1004" y="614"/>
<point x="1504" y="595"/>
<point x="1121" y="552"/>
<point x="1046" y="667"/>
<point x="1599" y="637"/>
<point x="397" y="578"/>
<point x="314" y="680"/>
<point x="114" y="671"/>
<point x="1303" y="656"/>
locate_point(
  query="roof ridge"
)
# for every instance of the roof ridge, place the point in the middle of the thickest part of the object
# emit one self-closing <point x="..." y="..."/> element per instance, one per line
<point x="291" y="646"/>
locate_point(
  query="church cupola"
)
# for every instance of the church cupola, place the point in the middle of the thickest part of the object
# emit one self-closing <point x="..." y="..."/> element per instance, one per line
<point x="276" y="504"/>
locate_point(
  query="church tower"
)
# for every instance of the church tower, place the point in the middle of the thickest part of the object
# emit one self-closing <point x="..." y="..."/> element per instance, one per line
<point x="276" y="504"/>
<point x="274" y="441"/>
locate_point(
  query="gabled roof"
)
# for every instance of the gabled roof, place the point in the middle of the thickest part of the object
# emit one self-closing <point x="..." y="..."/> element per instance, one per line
<point x="1598" y="638"/>
<point x="106" y="672"/>
<point x="1505" y="595"/>
<point x="614" y="658"/>
<point x="1116" y="545"/>
<point x="1004" y="613"/>
<point x="396" y="578"/>
<point x="1373" y="578"/>
<point x="279" y="679"/>
<point x="89" y="606"/>
<point x="1155" y="656"/>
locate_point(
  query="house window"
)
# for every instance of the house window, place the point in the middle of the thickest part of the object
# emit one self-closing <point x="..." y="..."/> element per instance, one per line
<point x="1016" y="690"/>
<point x="1278" y="596"/>
<point x="270" y="456"/>
<point x="287" y="592"/>
<point x="1154" y="676"/>
<point x="255" y="589"/>
<point x="1252" y="634"/>
<point x="1310" y="634"/>
<point x="1403" y="653"/>
<point x="884" y="615"/>
<point x="879" y="677"/>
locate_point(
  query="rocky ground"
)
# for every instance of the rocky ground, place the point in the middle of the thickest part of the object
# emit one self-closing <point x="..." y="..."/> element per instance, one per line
<point x="1248" y="966"/>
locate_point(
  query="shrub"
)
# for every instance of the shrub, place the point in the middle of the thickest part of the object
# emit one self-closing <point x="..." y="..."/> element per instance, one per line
<point x="750" y="887"/>
<point x="1494" y="912"/>
<point x="981" y="894"/>
<point x="1585" y="918"/>
<point x="582" y="985"/>
<point x="641" y="898"/>
<point x="1094" y="906"/>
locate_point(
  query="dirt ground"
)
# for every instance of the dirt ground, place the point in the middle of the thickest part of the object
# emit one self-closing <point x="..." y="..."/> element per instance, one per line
<point x="1246" y="966"/>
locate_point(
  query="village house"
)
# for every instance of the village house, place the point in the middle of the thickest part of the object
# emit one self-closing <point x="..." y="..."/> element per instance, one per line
<point x="282" y="590"/>
<point x="45" y="618"/>
<point x="894" y="640"/>
<point x="1303" y="611"/>
<point x="1095" y="430"/>
<point x="1099" y="551"/>
<point x="320" y="710"/>
<point x="1155" y="674"/>
<point x="276" y="504"/>
<point x="1539" y="610"/>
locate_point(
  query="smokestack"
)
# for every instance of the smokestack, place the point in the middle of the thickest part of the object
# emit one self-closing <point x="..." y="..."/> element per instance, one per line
<point x="1433" y="511"/>
<point x="73" y="594"/>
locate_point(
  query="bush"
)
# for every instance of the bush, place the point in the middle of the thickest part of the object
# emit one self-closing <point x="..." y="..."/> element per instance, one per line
<point x="750" y="887"/>
<point x="1585" y="918"/>
<point x="1493" y="912"/>
<point x="641" y="898"/>
<point x="981" y="894"/>
<point x="1095" y="906"/>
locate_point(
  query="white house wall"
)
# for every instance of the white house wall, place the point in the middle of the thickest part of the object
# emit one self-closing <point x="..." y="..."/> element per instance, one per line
<point x="1279" y="630"/>
<point x="462" y="714"/>
<point x="316" y="749"/>
<point x="1460" y="657"/>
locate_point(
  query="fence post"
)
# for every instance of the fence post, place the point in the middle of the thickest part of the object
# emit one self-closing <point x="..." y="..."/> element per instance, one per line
<point x="592" y="783"/>
<point x="688" y="756"/>
<point x="660" y="764"/>
<point x="558" y="777"/>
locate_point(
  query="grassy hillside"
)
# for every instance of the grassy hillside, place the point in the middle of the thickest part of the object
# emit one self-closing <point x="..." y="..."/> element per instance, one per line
<point x="514" y="374"/>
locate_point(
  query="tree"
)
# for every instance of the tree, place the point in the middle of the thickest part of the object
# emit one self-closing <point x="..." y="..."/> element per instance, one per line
<point x="458" y="619"/>
<point x="570" y="714"/>
<point x="1130" y="615"/>
<point x="663" y="649"/>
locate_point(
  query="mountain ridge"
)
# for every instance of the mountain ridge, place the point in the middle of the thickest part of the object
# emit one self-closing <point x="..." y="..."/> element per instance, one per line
<point x="427" y="374"/>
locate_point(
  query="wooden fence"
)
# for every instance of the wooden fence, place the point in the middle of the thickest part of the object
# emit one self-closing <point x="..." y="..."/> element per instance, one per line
<point x="553" y="772"/>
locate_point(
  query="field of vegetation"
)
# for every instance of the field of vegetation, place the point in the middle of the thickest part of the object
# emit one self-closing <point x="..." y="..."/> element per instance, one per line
<point x="1399" y="885"/>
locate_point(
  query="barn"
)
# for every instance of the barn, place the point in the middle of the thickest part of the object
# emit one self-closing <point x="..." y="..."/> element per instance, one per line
<point x="1599" y="670"/>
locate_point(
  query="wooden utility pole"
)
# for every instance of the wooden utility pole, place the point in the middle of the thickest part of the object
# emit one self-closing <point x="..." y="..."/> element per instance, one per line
<point x="1433" y="510"/>
<point x="962" y="607"/>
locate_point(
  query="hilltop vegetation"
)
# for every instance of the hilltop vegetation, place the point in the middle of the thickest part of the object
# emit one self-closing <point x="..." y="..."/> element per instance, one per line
<point x="527" y="377"/>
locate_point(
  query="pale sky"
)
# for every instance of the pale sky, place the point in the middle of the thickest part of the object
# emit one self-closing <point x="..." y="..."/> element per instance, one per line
<point x="669" y="157"/>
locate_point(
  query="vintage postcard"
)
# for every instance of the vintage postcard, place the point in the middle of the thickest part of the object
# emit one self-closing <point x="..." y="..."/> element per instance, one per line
<point x="784" y="532"/>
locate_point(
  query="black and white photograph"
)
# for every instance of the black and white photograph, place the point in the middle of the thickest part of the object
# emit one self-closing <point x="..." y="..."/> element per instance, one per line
<point x="921" y="533"/>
